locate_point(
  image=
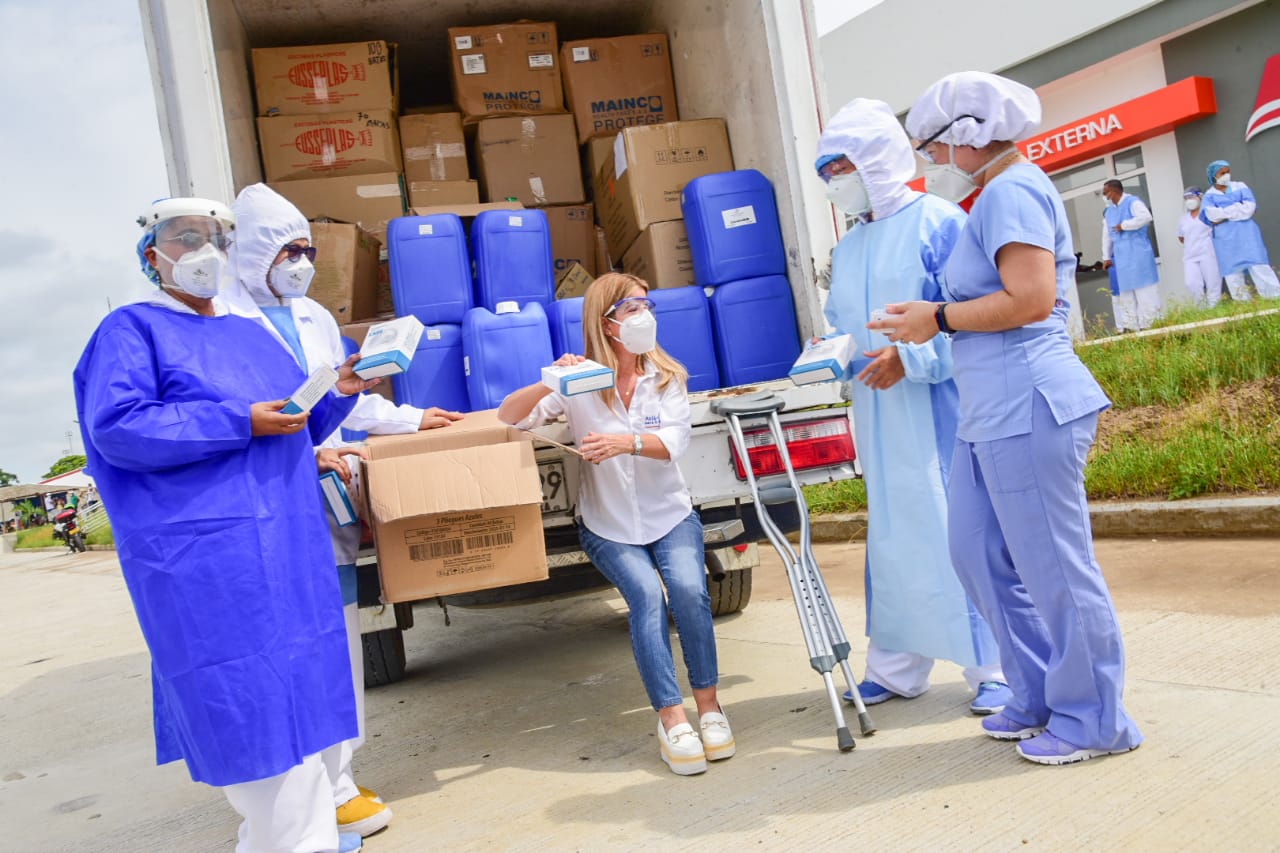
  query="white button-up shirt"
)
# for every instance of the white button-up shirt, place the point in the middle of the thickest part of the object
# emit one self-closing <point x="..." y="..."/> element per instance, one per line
<point x="630" y="499"/>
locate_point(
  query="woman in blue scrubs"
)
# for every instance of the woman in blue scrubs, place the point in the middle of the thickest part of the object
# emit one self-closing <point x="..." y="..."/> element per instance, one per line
<point x="1019" y="520"/>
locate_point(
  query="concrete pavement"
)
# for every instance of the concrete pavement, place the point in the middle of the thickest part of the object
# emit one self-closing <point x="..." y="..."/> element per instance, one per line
<point x="525" y="728"/>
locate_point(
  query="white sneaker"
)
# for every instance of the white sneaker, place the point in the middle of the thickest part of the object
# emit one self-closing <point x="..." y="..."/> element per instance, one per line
<point x="682" y="750"/>
<point x="717" y="737"/>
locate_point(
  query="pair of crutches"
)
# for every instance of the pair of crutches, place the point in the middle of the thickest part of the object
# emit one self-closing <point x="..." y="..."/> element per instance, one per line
<point x="823" y="636"/>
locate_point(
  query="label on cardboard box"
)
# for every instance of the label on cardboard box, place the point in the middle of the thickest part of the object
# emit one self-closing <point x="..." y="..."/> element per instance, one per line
<point x="389" y="347"/>
<point x="581" y="378"/>
<point x="827" y="360"/>
<point x="317" y="146"/>
<point x="325" y="78"/>
<point x="312" y="391"/>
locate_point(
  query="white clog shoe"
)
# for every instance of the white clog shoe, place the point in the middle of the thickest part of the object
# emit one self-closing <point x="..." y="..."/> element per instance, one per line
<point x="682" y="750"/>
<point x="717" y="737"/>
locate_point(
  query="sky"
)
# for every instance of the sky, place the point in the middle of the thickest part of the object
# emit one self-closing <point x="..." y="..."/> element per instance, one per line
<point x="81" y="158"/>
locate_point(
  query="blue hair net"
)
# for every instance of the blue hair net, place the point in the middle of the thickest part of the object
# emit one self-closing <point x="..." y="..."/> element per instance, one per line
<point x="1212" y="171"/>
<point x="824" y="160"/>
<point x="148" y="240"/>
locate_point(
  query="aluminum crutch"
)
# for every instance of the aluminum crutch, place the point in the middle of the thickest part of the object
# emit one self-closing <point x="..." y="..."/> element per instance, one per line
<point x="824" y="638"/>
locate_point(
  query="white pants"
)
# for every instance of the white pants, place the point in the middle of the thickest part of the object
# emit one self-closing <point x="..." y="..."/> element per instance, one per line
<point x="907" y="673"/>
<point x="1264" y="281"/>
<point x="1204" y="281"/>
<point x="289" y="813"/>
<point x="337" y="758"/>
<point x="1136" y="309"/>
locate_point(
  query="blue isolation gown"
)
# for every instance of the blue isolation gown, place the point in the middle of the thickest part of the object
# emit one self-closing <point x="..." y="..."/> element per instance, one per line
<point x="906" y="436"/>
<point x="1132" y="255"/>
<point x="221" y="539"/>
<point x="1237" y="242"/>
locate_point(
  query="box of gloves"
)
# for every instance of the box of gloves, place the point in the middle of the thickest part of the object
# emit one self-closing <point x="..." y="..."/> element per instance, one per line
<point x="389" y="347"/>
<point x="826" y="360"/>
<point x="580" y="378"/>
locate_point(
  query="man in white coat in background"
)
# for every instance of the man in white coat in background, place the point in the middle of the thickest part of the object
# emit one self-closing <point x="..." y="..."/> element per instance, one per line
<point x="1127" y="246"/>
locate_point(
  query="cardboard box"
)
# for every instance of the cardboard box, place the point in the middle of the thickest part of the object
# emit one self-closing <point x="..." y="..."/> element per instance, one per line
<point x="455" y="510"/>
<point x="370" y="201"/>
<point x="442" y="193"/>
<point x="465" y="211"/>
<point x="508" y="69"/>
<point x="326" y="78"/>
<point x="612" y="83"/>
<point x="433" y="147"/>
<point x="594" y="153"/>
<point x="357" y="333"/>
<point x="573" y="237"/>
<point x="346" y="280"/>
<point x="640" y="183"/>
<point x="661" y="256"/>
<point x="322" y="146"/>
<point x="604" y="263"/>
<point x="389" y="348"/>
<point x="573" y="282"/>
<point x="533" y="159"/>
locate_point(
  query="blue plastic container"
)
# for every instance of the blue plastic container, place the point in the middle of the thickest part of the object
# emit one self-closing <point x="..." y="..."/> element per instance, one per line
<point x="732" y="220"/>
<point x="684" y="331"/>
<point x="564" y="316"/>
<point x="512" y="251"/>
<point x="755" y="329"/>
<point x="430" y="269"/>
<point x="435" y="376"/>
<point x="504" y="351"/>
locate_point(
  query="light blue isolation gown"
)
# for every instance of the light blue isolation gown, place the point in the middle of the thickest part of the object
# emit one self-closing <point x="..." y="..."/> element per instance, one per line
<point x="221" y="539"/>
<point x="905" y="437"/>
<point x="1132" y="256"/>
<point x="1237" y="243"/>
<point x="1019" y="520"/>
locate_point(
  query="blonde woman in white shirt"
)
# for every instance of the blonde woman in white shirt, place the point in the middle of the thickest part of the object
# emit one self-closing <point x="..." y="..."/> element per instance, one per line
<point x="638" y="524"/>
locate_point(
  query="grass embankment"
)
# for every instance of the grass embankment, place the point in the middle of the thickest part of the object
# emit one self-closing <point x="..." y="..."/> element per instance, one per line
<point x="42" y="537"/>
<point x="1194" y="412"/>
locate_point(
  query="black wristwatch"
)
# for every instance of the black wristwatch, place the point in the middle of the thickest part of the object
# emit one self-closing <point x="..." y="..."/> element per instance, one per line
<point x="940" y="317"/>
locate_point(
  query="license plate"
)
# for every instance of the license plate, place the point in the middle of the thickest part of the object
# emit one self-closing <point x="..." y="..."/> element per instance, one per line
<point x="555" y="488"/>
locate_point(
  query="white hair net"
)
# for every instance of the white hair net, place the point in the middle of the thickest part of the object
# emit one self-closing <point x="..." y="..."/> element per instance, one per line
<point x="270" y="221"/>
<point x="868" y="133"/>
<point x="979" y="107"/>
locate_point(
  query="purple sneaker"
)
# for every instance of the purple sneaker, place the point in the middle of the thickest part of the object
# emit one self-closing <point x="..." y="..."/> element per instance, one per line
<point x="1001" y="727"/>
<point x="991" y="699"/>
<point x="1048" y="748"/>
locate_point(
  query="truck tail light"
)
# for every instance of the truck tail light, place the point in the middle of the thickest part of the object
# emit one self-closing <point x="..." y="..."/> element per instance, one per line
<point x="811" y="444"/>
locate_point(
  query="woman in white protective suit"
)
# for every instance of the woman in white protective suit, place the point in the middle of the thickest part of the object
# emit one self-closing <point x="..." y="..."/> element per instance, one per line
<point x="905" y="410"/>
<point x="271" y="270"/>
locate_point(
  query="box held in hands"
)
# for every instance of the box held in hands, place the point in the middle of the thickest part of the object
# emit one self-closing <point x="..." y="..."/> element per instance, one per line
<point x="337" y="499"/>
<point x="581" y="378"/>
<point x="828" y="360"/>
<point x="317" y="385"/>
<point x="389" y="347"/>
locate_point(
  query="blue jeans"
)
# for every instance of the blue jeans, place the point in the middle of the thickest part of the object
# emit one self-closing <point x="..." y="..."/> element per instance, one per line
<point x="635" y="569"/>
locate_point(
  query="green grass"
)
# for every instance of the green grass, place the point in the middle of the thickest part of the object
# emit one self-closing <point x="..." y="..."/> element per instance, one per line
<point x="844" y="496"/>
<point x="36" y="537"/>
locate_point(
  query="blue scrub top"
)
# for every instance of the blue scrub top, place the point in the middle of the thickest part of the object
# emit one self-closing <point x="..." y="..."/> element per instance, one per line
<point x="998" y="372"/>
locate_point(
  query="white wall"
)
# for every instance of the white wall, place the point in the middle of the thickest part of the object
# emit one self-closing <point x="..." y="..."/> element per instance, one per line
<point x="896" y="49"/>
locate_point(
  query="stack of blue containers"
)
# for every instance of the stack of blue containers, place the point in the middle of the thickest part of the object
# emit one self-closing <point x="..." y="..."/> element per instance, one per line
<point x="684" y="331"/>
<point x="736" y="243"/>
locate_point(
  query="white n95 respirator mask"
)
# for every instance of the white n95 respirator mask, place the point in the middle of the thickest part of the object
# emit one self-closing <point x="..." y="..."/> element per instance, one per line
<point x="638" y="333"/>
<point x="290" y="279"/>
<point x="949" y="181"/>
<point x="848" y="193"/>
<point x="198" y="273"/>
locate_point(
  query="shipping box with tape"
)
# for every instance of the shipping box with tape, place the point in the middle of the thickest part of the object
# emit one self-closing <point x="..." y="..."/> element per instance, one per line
<point x="324" y="146"/>
<point x="530" y="158"/>
<point x="612" y="83"/>
<point x="433" y="146"/>
<point x="442" y="193"/>
<point x="507" y="69"/>
<point x="325" y="78"/>
<point x="573" y="237"/>
<point x="346" y="279"/>
<point x="640" y="183"/>
<point x="661" y="256"/>
<point x="370" y="201"/>
<point x="455" y="510"/>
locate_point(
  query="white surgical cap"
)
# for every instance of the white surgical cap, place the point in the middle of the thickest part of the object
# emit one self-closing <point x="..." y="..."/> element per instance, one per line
<point x="270" y="221"/>
<point x="867" y="132"/>
<point x="1009" y="111"/>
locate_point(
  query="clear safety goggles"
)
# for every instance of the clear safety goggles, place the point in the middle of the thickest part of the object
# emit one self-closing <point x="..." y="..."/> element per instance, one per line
<point x="921" y="148"/>
<point x="192" y="232"/>
<point x="628" y="306"/>
<point x="839" y="166"/>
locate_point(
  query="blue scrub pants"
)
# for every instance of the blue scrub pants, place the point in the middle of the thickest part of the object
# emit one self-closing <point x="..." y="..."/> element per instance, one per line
<point x="1022" y="545"/>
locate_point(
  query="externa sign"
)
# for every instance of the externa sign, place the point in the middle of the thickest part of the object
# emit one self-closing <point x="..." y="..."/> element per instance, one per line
<point x="1072" y="137"/>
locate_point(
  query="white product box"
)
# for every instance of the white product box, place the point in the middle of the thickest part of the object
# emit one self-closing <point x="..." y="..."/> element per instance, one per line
<point x="580" y="378"/>
<point x="389" y="347"/>
<point x="316" y="386"/>
<point x="337" y="499"/>
<point x="827" y="360"/>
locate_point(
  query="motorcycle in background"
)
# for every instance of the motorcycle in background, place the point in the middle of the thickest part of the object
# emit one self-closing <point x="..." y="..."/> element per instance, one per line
<point x="67" y="529"/>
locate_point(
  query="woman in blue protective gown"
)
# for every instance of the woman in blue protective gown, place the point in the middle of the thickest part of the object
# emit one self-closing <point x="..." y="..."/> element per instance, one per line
<point x="211" y="489"/>
<point x="1019" y="520"/>
<point x="904" y="411"/>
<point x="1228" y="207"/>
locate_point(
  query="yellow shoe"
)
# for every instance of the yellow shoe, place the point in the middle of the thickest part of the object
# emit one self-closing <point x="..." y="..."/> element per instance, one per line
<point x="367" y="794"/>
<point x="362" y="815"/>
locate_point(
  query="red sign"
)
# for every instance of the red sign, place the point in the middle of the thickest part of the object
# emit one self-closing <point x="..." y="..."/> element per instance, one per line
<point x="1266" y="110"/>
<point x="1122" y="125"/>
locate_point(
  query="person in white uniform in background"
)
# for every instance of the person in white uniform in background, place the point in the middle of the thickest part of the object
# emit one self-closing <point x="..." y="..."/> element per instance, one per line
<point x="1199" y="263"/>
<point x="271" y="263"/>
<point x="1126" y="245"/>
<point x="638" y="523"/>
